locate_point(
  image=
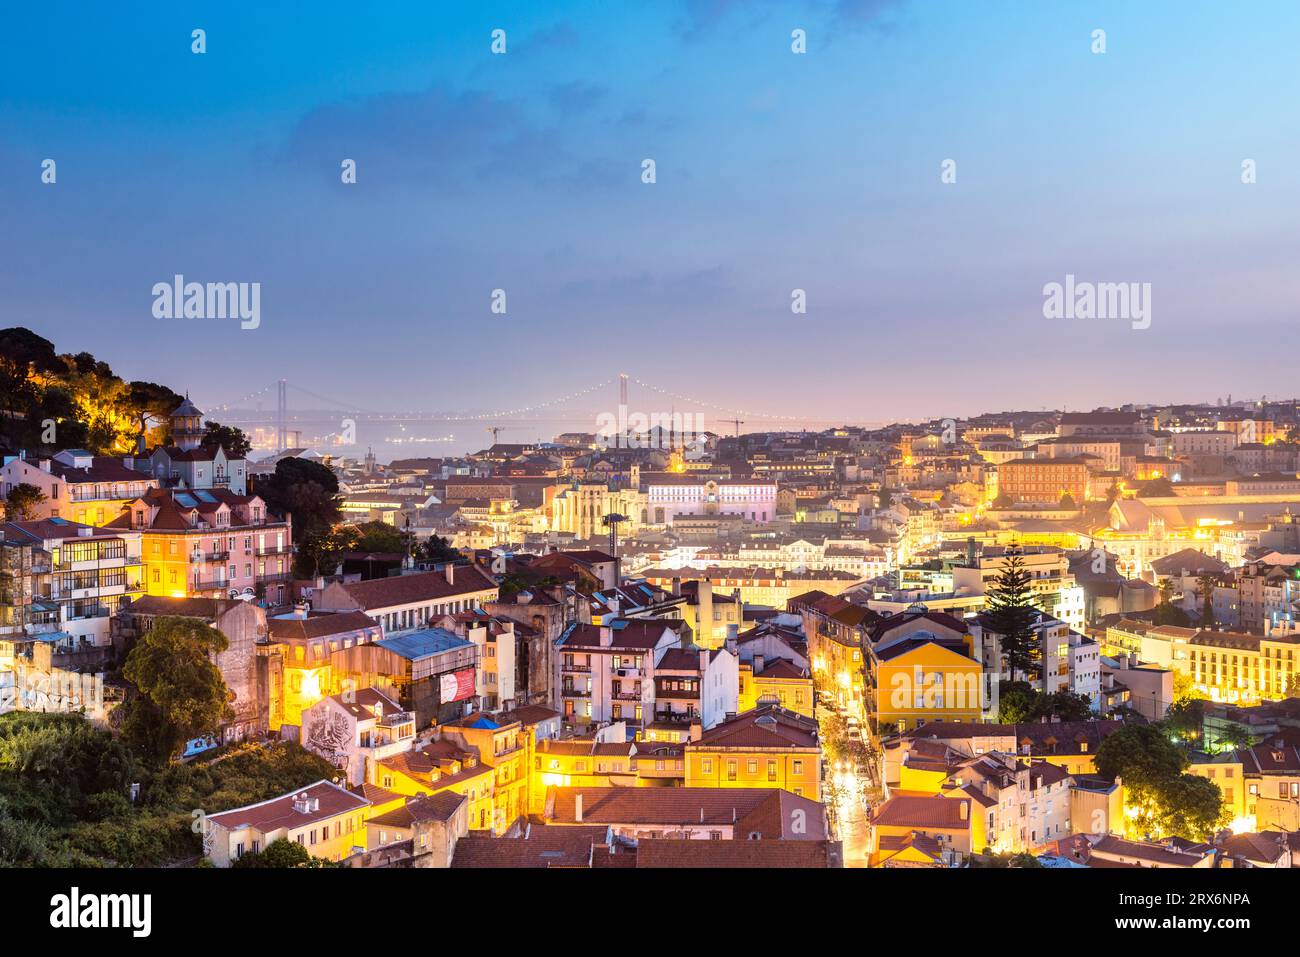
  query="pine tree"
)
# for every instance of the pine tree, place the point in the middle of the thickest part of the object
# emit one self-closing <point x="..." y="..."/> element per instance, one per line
<point x="1010" y="608"/>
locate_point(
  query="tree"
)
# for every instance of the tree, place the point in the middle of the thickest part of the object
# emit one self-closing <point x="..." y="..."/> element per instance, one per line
<point x="1011" y="613"/>
<point x="884" y="498"/>
<point x="1205" y="584"/>
<point x="23" y="503"/>
<point x="1189" y="806"/>
<point x="1019" y="703"/>
<point x="1167" y="613"/>
<point x="436" y="549"/>
<point x="230" y="438"/>
<point x="280" y="853"/>
<point x="1067" y="500"/>
<point x="377" y="537"/>
<point x="1003" y="501"/>
<point x="1156" y="488"/>
<point x="1236" y="737"/>
<point x="1164" y="798"/>
<point x="179" y="693"/>
<point x="309" y="491"/>
<point x="1141" y="754"/>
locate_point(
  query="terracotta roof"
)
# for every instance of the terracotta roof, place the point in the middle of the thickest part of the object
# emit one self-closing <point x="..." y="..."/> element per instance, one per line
<point x="929" y="811"/>
<point x="422" y="586"/>
<point x="767" y="726"/>
<point x="737" y="853"/>
<point x="424" y="807"/>
<point x="766" y="811"/>
<point x="318" y="625"/>
<point x="539" y="846"/>
<point x="279" y="812"/>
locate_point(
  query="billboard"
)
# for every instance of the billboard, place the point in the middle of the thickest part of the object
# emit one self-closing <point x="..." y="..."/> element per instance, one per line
<point x="456" y="685"/>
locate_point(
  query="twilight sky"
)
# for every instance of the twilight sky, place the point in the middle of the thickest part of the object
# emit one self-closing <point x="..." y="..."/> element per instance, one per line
<point x="775" y="171"/>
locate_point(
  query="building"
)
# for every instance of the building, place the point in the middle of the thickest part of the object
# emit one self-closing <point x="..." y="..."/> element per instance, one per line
<point x="73" y="578"/>
<point x="637" y="671"/>
<point x="353" y="729"/>
<point x="767" y="747"/>
<point x="432" y="673"/>
<point x="668" y="498"/>
<point x="502" y="745"/>
<point x="329" y="821"/>
<point x="407" y="602"/>
<point x="210" y="543"/>
<point x="720" y="814"/>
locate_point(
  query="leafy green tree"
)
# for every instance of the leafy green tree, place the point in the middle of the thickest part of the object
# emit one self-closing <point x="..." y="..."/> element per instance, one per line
<point x="23" y="503"/>
<point x="310" y="492"/>
<point x="1189" y="806"/>
<point x="1003" y="501"/>
<point x="179" y="693"/>
<point x="279" y="853"/>
<point x="1067" y="500"/>
<point x="375" y="537"/>
<point x="436" y="549"/>
<point x="1167" y="800"/>
<point x="1236" y="737"/>
<point x="230" y="438"/>
<point x="1141" y="754"/>
<point x="1010" y="609"/>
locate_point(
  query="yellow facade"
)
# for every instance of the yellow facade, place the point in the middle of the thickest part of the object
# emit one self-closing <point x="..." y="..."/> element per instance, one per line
<point x="796" y="769"/>
<point x="477" y="784"/>
<point x="926" y="684"/>
<point x="793" y="694"/>
<point x="1227" y="775"/>
<point x="166" y="564"/>
<point x="500" y="747"/>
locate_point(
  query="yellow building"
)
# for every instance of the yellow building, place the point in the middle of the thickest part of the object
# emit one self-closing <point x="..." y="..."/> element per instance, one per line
<point x="918" y="681"/>
<point x="442" y="766"/>
<point x="777" y="681"/>
<point x="1241" y="668"/>
<point x="910" y="830"/>
<point x="580" y="762"/>
<point x="767" y="747"/>
<point x="501" y="746"/>
<point x="1225" y="771"/>
<point x="329" y="821"/>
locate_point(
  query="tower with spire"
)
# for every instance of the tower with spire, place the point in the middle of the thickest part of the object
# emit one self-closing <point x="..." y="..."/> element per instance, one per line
<point x="187" y="426"/>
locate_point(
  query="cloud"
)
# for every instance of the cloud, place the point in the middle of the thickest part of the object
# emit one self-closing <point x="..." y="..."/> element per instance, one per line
<point x="444" y="139"/>
<point x="576" y="97"/>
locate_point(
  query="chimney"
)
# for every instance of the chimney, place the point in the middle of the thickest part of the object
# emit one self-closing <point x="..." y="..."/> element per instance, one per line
<point x="450" y="572"/>
<point x="696" y="731"/>
<point x="44" y="465"/>
<point x="606" y="636"/>
<point x="577" y="807"/>
<point x="965" y="809"/>
<point x="759" y="661"/>
<point x="677" y="586"/>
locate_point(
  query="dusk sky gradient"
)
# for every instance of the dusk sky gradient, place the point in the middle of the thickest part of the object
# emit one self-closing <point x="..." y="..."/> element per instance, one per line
<point x="775" y="171"/>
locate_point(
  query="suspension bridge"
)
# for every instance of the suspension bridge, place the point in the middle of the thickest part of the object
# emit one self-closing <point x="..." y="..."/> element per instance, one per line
<point x="281" y="413"/>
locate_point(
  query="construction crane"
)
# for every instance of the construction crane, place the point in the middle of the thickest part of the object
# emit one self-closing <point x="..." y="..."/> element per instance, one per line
<point x="736" y="422"/>
<point x="612" y="522"/>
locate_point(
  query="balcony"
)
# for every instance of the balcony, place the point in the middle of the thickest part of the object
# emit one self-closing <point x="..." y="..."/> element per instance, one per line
<point x="574" y="693"/>
<point x="580" y="669"/>
<point x="209" y="556"/>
